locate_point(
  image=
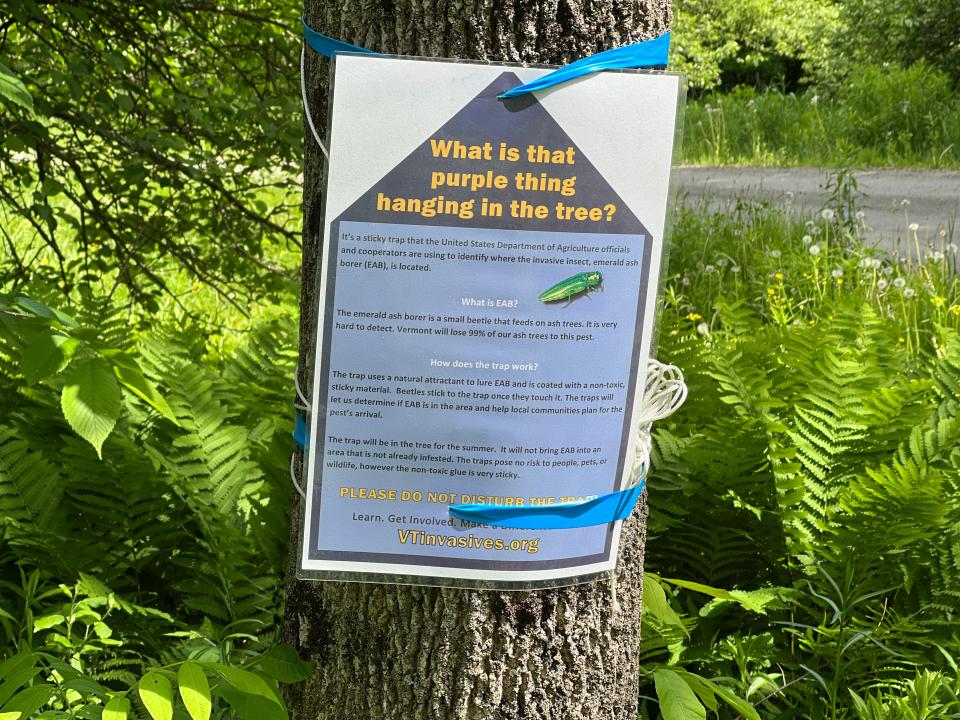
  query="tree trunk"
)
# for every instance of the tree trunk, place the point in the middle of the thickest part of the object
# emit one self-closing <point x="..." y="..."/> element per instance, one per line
<point x="401" y="652"/>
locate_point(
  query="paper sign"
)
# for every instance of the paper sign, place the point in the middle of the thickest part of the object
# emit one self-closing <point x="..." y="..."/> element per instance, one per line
<point x="486" y="303"/>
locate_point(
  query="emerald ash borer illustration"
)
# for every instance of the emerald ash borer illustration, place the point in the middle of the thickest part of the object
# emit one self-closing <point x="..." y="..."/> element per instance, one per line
<point x="573" y="285"/>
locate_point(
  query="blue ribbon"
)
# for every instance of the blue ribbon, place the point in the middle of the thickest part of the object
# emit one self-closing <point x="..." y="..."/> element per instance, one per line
<point x="327" y="46"/>
<point x="300" y="431"/>
<point x="598" y="511"/>
<point x="649" y="53"/>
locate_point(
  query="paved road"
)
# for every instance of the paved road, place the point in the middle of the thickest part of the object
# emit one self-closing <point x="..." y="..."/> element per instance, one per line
<point x="933" y="195"/>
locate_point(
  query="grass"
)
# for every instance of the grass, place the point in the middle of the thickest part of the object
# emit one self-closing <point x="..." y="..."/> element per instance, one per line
<point x="792" y="270"/>
<point x="883" y="117"/>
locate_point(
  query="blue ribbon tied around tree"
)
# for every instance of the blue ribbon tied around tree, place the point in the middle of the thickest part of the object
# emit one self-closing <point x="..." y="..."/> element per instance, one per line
<point x="647" y="54"/>
<point x="602" y="509"/>
<point x="300" y="431"/>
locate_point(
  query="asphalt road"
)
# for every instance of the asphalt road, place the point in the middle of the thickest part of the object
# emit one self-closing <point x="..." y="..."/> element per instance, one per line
<point x="932" y="196"/>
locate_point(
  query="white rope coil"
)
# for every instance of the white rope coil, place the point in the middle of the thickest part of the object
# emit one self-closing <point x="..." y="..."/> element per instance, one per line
<point x="664" y="393"/>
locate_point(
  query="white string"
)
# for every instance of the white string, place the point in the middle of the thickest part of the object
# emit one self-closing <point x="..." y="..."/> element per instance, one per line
<point x="306" y="103"/>
<point x="305" y="406"/>
<point x="293" y="477"/>
<point x="614" y="602"/>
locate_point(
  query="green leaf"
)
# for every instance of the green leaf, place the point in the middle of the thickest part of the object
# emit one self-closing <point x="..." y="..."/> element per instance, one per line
<point x="13" y="90"/>
<point x="156" y="694"/>
<point x="195" y="690"/>
<point x="102" y="630"/>
<point x="757" y="600"/>
<point x="10" y="715"/>
<point x="705" y="690"/>
<point x="251" y="706"/>
<point x="46" y="352"/>
<point x="91" y="400"/>
<point x="30" y="700"/>
<point x="86" y="686"/>
<point x="655" y="602"/>
<point x="247" y="682"/>
<point x="47" y="621"/>
<point x="282" y="663"/>
<point x="752" y="600"/>
<point x="131" y="377"/>
<point x="17" y="671"/>
<point x="91" y="587"/>
<point x="737" y="703"/>
<point x="677" y="700"/>
<point x="37" y="308"/>
<point x="116" y="709"/>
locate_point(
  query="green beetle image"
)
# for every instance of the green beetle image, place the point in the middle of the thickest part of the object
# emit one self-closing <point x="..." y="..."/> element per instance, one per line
<point x="573" y="285"/>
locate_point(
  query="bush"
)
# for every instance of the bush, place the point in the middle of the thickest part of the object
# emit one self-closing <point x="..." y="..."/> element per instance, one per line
<point x="903" y="31"/>
<point x="757" y="42"/>
<point x="878" y="116"/>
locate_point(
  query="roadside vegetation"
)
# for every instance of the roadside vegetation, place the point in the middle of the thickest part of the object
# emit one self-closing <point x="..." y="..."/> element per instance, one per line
<point x="814" y="474"/>
<point x="878" y="117"/>
<point x="798" y="82"/>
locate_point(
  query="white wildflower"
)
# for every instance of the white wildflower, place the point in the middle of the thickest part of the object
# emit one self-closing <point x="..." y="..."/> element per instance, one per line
<point x="881" y="284"/>
<point x="914" y="227"/>
<point x="709" y="269"/>
<point x="814" y="250"/>
<point x="837" y="273"/>
<point x="685" y="281"/>
<point x="721" y="262"/>
<point x="807" y="239"/>
<point x="735" y="269"/>
<point x="774" y="254"/>
<point x="904" y="203"/>
<point x="827" y="214"/>
<point x="861" y="215"/>
<point x="899" y="282"/>
<point x="703" y="328"/>
<point x="908" y="292"/>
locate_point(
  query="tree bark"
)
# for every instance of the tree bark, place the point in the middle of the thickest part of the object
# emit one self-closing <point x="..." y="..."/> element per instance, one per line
<point x="401" y="652"/>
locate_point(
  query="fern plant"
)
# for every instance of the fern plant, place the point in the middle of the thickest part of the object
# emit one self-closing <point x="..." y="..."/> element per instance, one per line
<point x="817" y="460"/>
<point x="149" y="552"/>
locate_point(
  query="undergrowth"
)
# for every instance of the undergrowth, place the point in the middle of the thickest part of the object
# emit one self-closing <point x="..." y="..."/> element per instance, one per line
<point x="142" y="544"/>
<point x="804" y="536"/>
<point x="877" y="116"/>
<point x="814" y="472"/>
